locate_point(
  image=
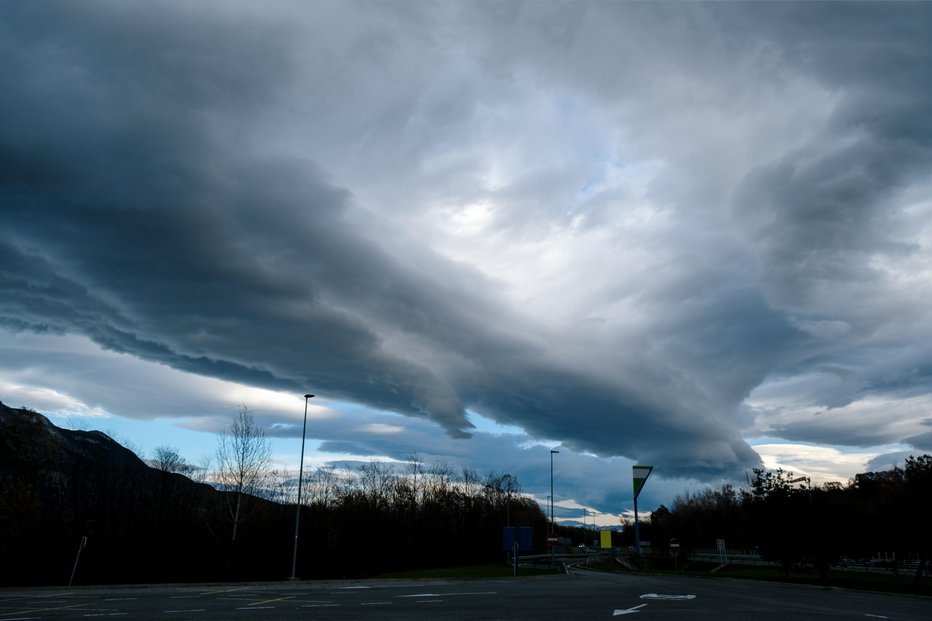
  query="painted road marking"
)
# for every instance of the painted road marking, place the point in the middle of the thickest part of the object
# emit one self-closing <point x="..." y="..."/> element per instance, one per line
<point x="269" y="601"/>
<point x="256" y="608"/>
<point x="35" y="610"/>
<point x="877" y="616"/>
<point x="320" y="605"/>
<point x="667" y="597"/>
<point x="224" y="591"/>
<point x="376" y="604"/>
<point x="627" y="611"/>
<point x="176" y="612"/>
<point x="65" y="594"/>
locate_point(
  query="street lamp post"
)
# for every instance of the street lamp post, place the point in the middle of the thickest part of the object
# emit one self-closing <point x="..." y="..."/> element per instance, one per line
<point x="551" y="507"/>
<point x="551" y="488"/>
<point x="297" y="516"/>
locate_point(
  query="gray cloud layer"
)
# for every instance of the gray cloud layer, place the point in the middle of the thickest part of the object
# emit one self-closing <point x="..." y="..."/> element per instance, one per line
<point x="266" y="196"/>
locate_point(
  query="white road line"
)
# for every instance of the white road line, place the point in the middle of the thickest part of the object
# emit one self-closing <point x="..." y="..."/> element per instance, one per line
<point x="876" y="616"/>
<point x="175" y="612"/>
<point x="104" y="614"/>
<point x="667" y="597"/>
<point x="215" y="592"/>
<point x="375" y="604"/>
<point x="465" y="593"/>
<point x="256" y="608"/>
<point x="320" y="605"/>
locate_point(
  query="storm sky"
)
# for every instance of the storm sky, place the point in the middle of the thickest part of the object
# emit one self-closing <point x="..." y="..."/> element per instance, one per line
<point x="691" y="235"/>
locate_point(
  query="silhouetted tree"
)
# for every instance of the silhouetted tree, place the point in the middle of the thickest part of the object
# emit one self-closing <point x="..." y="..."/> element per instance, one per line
<point x="243" y="456"/>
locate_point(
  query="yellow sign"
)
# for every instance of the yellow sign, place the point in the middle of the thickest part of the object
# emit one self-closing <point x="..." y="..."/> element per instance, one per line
<point x="606" y="539"/>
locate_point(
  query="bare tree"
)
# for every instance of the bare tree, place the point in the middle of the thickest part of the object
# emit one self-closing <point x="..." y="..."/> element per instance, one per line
<point x="201" y="471"/>
<point x="440" y="480"/>
<point x="415" y="469"/>
<point x="325" y="485"/>
<point x="470" y="481"/>
<point x="377" y="479"/>
<point x="167" y="459"/>
<point x="244" y="453"/>
<point x="501" y="487"/>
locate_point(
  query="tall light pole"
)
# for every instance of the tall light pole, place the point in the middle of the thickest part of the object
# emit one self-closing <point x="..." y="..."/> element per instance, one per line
<point x="551" y="489"/>
<point x="297" y="515"/>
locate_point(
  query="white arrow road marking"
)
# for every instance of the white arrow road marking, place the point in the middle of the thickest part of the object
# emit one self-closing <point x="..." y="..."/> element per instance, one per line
<point x="666" y="597"/>
<point x="627" y="611"/>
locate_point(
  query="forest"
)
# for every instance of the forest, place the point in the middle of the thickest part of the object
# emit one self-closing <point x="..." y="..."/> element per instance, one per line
<point x="169" y="521"/>
<point x="797" y="525"/>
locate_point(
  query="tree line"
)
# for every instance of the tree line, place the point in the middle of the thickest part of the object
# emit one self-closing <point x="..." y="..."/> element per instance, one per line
<point x="171" y="521"/>
<point x="788" y="520"/>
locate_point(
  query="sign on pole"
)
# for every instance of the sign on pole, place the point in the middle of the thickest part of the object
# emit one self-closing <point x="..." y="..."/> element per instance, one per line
<point x="605" y="539"/>
<point x="640" y="477"/>
<point x="520" y="535"/>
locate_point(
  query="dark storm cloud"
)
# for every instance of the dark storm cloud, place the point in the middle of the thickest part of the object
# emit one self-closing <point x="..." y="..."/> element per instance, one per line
<point x="240" y="193"/>
<point x="129" y="220"/>
<point x="819" y="213"/>
<point x="923" y="441"/>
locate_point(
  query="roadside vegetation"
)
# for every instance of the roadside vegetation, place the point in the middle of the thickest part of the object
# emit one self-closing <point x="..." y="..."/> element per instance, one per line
<point x="871" y="533"/>
<point x="236" y="522"/>
<point x="234" y="519"/>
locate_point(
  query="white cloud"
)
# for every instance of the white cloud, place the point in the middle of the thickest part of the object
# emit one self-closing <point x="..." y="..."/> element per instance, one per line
<point x="821" y="464"/>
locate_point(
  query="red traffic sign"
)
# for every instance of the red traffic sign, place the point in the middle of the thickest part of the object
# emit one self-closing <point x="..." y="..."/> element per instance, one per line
<point x="674" y="544"/>
<point x="553" y="540"/>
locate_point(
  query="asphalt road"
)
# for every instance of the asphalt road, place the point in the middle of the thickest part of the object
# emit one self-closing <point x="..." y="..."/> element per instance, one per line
<point x="580" y="595"/>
